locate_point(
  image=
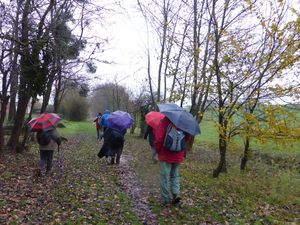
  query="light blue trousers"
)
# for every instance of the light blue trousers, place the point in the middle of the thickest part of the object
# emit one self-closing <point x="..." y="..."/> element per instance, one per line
<point x="169" y="180"/>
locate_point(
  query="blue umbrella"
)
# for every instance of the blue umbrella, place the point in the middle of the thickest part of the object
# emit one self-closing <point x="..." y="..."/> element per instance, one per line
<point x="119" y="120"/>
<point x="165" y="107"/>
<point x="180" y="118"/>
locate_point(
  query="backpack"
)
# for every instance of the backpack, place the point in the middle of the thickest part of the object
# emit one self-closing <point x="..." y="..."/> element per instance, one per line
<point x="113" y="138"/>
<point x="174" y="139"/>
<point x="43" y="137"/>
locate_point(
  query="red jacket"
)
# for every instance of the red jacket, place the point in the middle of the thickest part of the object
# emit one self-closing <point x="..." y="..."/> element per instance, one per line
<point x="98" y="126"/>
<point x="163" y="153"/>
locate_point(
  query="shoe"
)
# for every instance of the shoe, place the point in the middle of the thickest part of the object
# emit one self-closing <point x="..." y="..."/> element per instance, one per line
<point x="166" y="204"/>
<point x="112" y="160"/>
<point x="176" y="200"/>
<point x="38" y="173"/>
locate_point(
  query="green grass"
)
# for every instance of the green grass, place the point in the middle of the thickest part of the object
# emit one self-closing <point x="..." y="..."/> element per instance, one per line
<point x="262" y="194"/>
<point x="209" y="135"/>
<point x="209" y="138"/>
<point x="81" y="127"/>
<point x="7" y="175"/>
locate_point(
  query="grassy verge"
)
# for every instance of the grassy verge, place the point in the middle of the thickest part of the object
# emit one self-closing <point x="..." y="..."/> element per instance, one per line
<point x="81" y="127"/>
<point x="263" y="194"/>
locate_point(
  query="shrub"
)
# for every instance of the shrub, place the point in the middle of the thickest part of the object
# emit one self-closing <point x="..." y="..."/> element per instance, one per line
<point x="75" y="107"/>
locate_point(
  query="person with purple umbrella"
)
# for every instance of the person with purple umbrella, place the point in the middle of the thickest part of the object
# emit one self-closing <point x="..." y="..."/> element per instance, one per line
<point x="118" y="122"/>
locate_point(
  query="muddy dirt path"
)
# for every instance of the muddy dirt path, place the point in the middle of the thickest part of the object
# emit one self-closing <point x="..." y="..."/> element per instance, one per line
<point x="136" y="192"/>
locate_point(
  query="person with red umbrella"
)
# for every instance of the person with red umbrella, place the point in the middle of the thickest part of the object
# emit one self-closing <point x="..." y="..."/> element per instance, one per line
<point x="152" y="119"/>
<point x="173" y="128"/>
<point x="48" y="138"/>
<point x="169" y="162"/>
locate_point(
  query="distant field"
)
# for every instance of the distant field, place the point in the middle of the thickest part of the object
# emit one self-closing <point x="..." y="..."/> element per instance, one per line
<point x="209" y="138"/>
<point x="72" y="127"/>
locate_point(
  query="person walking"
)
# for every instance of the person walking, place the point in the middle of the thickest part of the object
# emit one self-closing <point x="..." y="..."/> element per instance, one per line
<point x="104" y="117"/>
<point x="113" y="144"/>
<point x="48" y="141"/>
<point x="98" y="125"/>
<point x="169" y="162"/>
<point x="149" y="134"/>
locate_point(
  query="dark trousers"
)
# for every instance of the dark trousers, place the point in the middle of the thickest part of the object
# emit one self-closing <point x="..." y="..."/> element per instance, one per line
<point x="98" y="133"/>
<point x="46" y="157"/>
<point x="115" y="155"/>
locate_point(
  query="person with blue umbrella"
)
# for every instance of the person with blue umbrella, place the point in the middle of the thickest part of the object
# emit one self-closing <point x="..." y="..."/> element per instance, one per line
<point x="172" y="135"/>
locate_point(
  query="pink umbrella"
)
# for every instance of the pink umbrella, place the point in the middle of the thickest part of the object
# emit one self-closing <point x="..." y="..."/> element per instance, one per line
<point x="153" y="118"/>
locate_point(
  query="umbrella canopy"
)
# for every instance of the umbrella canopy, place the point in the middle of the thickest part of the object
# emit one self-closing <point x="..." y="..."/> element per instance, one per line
<point x="119" y="120"/>
<point x="166" y="107"/>
<point x="153" y="118"/>
<point x="46" y="121"/>
<point x="180" y="118"/>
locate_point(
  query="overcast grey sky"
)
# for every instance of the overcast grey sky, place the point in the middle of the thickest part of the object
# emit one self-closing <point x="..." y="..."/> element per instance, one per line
<point x="127" y="35"/>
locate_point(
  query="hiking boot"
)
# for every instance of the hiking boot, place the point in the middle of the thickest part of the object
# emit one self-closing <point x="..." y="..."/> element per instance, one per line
<point x="49" y="173"/>
<point x="166" y="204"/>
<point x="112" y="160"/>
<point x="176" y="200"/>
<point x="38" y="173"/>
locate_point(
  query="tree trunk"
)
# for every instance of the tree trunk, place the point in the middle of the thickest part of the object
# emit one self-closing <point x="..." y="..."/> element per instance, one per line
<point x="143" y="123"/>
<point x="56" y="97"/>
<point x="13" y="93"/>
<point x="135" y="116"/>
<point x="47" y="94"/>
<point x="19" y="118"/>
<point x="196" y="60"/>
<point x="190" y="143"/>
<point x="246" y="154"/>
<point x="222" y="167"/>
<point x="29" y="118"/>
<point x="2" y="118"/>
<point x="14" y="67"/>
<point x="25" y="68"/>
<point x="58" y="86"/>
<point x="3" y="102"/>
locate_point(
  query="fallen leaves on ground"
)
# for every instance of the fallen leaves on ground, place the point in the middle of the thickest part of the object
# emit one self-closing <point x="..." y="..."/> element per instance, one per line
<point x="86" y="190"/>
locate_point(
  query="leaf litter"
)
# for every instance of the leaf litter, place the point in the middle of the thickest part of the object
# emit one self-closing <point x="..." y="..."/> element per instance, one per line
<point x="89" y="191"/>
<point x="86" y="191"/>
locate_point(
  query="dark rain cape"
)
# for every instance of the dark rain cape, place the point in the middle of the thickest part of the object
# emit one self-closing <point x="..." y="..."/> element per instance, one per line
<point x="113" y="140"/>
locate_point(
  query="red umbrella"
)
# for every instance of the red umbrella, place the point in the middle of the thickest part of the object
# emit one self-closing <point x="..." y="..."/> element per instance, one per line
<point x="46" y="121"/>
<point x="153" y="118"/>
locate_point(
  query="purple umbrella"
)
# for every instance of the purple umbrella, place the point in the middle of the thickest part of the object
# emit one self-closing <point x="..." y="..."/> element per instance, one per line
<point x="119" y="120"/>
